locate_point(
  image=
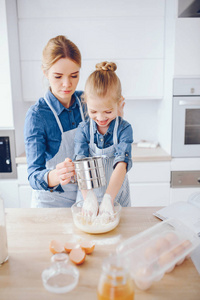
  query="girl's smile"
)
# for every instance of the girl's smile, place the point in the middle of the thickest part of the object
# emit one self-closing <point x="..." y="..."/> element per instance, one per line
<point x="102" y="110"/>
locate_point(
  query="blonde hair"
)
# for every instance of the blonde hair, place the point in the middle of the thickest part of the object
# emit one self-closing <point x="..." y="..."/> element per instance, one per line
<point x="102" y="81"/>
<point x="59" y="47"/>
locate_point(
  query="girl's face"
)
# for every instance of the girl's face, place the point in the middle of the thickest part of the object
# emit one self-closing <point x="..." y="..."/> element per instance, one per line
<point x="102" y="111"/>
<point x="63" y="78"/>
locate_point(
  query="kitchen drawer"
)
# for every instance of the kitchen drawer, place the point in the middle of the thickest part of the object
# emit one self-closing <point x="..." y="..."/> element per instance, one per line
<point x="150" y="194"/>
<point x="22" y="174"/>
<point x="149" y="172"/>
<point x="182" y="194"/>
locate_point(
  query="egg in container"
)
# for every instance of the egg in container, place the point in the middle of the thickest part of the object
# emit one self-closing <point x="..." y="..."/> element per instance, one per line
<point x="157" y="250"/>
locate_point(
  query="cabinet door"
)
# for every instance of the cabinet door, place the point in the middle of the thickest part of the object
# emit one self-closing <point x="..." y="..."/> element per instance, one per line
<point x="146" y="172"/>
<point x="25" y="193"/>
<point x="150" y="194"/>
<point x="182" y="194"/>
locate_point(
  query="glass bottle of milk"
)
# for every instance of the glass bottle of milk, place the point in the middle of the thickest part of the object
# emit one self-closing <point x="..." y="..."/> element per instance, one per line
<point x="3" y="235"/>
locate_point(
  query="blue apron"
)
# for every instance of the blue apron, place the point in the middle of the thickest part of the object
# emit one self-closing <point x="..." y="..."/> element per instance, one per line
<point x="108" y="155"/>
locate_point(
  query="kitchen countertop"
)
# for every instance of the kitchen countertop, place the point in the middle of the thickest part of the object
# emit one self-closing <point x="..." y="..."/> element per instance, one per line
<point x="138" y="155"/>
<point x="30" y="232"/>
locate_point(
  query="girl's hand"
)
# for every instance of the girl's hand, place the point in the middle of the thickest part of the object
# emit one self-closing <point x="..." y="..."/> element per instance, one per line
<point x="90" y="206"/>
<point x="106" y="206"/>
<point x="64" y="171"/>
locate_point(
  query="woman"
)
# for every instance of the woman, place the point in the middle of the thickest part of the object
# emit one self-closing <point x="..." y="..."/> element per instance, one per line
<point x="50" y="127"/>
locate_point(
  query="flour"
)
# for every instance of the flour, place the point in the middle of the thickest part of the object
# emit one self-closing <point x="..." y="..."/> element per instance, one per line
<point x="106" y="205"/>
<point x="3" y="245"/>
<point x="100" y="224"/>
<point x="90" y="206"/>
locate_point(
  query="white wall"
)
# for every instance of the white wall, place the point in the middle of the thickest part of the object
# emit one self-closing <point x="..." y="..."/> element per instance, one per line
<point x="187" y="51"/>
<point x="6" y="112"/>
<point x="111" y="30"/>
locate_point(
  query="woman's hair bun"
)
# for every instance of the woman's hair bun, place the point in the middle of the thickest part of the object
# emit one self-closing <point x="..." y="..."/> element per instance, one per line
<point x="106" y="66"/>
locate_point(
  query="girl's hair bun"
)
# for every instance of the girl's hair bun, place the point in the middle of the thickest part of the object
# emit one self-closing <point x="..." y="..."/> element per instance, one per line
<point x="106" y="66"/>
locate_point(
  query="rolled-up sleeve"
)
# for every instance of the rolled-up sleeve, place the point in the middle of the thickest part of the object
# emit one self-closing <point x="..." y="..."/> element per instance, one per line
<point x="81" y="145"/>
<point x="124" y="147"/>
<point x="35" y="145"/>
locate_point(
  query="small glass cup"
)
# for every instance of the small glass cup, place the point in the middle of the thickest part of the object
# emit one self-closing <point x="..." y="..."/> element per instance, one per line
<point x="3" y="235"/>
<point x="115" y="282"/>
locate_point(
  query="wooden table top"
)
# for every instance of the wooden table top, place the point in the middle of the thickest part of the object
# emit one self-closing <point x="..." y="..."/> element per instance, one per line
<point x="30" y="231"/>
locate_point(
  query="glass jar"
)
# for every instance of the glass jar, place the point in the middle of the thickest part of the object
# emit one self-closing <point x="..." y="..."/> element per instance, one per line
<point x="115" y="282"/>
<point x="3" y="235"/>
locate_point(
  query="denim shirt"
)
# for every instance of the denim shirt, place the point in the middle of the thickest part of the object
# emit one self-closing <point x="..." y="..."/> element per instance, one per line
<point x="42" y="136"/>
<point x="123" y="148"/>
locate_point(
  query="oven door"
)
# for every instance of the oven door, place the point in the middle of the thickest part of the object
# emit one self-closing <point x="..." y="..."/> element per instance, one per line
<point x="186" y="127"/>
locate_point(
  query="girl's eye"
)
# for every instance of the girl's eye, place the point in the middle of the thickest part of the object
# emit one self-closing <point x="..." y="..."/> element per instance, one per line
<point x="74" y="76"/>
<point x="108" y="112"/>
<point x="57" y="77"/>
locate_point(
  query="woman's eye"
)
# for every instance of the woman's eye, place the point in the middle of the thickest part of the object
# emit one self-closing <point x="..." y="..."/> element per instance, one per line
<point x="74" y="76"/>
<point x="108" y="112"/>
<point x="57" y="77"/>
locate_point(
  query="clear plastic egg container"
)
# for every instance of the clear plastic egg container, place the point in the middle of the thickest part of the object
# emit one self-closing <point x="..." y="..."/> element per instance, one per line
<point x="157" y="250"/>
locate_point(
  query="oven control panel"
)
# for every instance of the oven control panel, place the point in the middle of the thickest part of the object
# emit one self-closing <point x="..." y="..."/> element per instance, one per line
<point x="5" y="157"/>
<point x="185" y="179"/>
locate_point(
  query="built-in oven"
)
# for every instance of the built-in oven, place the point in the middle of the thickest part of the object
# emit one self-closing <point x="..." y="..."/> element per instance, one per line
<point x="186" y="118"/>
<point x="7" y="154"/>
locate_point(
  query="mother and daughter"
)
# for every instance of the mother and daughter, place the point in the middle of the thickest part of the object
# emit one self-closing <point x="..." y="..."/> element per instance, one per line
<point x="60" y="128"/>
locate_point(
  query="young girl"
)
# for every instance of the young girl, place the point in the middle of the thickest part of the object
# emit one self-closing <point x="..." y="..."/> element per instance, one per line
<point x="106" y="134"/>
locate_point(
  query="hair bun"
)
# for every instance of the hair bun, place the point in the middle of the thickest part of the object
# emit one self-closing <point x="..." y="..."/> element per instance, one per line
<point x="106" y="66"/>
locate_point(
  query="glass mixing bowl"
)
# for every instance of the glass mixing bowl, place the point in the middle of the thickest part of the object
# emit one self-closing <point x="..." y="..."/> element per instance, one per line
<point x="100" y="224"/>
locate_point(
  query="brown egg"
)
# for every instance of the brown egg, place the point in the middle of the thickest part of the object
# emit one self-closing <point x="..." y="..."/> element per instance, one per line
<point x="143" y="277"/>
<point x="150" y="253"/>
<point x="187" y="244"/>
<point x="171" y="237"/>
<point x="178" y="250"/>
<point x="180" y="261"/>
<point x="166" y="258"/>
<point x="162" y="245"/>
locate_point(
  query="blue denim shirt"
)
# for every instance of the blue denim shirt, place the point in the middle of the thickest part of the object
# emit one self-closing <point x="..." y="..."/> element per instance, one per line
<point x="123" y="148"/>
<point x="42" y="136"/>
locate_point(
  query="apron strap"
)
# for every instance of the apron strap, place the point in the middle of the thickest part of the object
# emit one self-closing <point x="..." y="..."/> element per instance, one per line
<point x="55" y="114"/>
<point x="115" y="139"/>
<point x="81" y="109"/>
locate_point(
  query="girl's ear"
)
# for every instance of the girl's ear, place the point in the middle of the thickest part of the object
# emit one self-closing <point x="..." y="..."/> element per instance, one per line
<point x="121" y="104"/>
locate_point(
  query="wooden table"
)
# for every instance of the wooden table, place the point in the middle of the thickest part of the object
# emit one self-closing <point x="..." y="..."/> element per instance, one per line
<point x="30" y="231"/>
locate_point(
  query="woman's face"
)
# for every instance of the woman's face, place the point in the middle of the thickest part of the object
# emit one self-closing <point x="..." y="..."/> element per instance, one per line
<point x="63" y="78"/>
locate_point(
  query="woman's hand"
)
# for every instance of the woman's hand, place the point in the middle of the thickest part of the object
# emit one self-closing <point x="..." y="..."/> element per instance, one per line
<point x="62" y="174"/>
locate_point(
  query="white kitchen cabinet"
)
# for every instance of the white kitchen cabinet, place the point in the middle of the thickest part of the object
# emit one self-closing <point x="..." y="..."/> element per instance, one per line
<point x="25" y="190"/>
<point x="182" y="194"/>
<point x="150" y="194"/>
<point x="132" y="35"/>
<point x="150" y="183"/>
<point x="9" y="192"/>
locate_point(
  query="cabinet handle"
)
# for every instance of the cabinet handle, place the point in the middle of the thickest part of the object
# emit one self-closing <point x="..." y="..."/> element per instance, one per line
<point x="187" y="102"/>
<point x="198" y="179"/>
